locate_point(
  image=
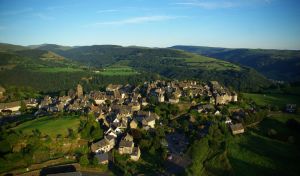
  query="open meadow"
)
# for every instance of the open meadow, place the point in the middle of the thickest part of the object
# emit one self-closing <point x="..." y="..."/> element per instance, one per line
<point x="266" y="154"/>
<point x="50" y="125"/>
<point x="279" y="100"/>
<point x="118" y="71"/>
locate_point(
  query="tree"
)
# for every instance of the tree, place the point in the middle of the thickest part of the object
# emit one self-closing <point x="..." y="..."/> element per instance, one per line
<point x="96" y="132"/>
<point x="84" y="161"/>
<point x="23" y="107"/>
<point x="95" y="161"/>
<point x="199" y="152"/>
<point x="4" y="147"/>
<point x="71" y="133"/>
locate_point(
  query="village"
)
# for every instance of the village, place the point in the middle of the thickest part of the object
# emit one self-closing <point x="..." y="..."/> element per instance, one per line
<point x="120" y="108"/>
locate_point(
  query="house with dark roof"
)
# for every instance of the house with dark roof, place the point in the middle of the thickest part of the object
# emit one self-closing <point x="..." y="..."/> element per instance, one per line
<point x="126" y="145"/>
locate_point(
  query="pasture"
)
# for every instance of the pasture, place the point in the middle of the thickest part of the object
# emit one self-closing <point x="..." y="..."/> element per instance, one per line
<point x="265" y="154"/>
<point x="279" y="100"/>
<point x="50" y="125"/>
<point x="57" y="69"/>
<point x="210" y="63"/>
<point x="118" y="71"/>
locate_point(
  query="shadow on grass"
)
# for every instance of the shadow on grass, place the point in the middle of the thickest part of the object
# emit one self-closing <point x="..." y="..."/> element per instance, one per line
<point x="283" y="157"/>
<point x="242" y="168"/>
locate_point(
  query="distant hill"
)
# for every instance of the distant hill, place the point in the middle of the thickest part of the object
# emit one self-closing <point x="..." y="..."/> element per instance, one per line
<point x="168" y="63"/>
<point x="81" y="61"/>
<point x="5" y="47"/>
<point x="50" y="47"/>
<point x="274" y="64"/>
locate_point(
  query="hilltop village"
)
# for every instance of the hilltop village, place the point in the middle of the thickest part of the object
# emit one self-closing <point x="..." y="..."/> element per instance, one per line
<point x="121" y="108"/>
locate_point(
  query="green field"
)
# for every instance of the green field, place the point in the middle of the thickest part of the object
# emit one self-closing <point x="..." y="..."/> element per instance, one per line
<point x="50" y="125"/>
<point x="273" y="99"/>
<point x="255" y="153"/>
<point x="57" y="69"/>
<point x="210" y="63"/>
<point x="118" y="70"/>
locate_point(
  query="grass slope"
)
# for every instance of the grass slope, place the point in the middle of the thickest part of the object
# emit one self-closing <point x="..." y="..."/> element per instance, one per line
<point x="50" y="125"/>
<point x="274" y="64"/>
<point x="279" y="100"/>
<point x="255" y="153"/>
<point x="118" y="71"/>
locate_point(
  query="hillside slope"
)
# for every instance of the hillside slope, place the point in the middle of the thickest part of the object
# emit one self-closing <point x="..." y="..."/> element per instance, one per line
<point x="87" y="61"/>
<point x="168" y="63"/>
<point x="274" y="64"/>
<point x="5" y="47"/>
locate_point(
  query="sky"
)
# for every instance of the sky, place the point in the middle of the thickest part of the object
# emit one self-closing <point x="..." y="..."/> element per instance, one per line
<point x="269" y="24"/>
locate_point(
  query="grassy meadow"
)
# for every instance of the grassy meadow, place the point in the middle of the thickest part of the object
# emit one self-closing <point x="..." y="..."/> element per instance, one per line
<point x="264" y="154"/>
<point x="50" y="125"/>
<point x="57" y="69"/>
<point x="210" y="63"/>
<point x="118" y="70"/>
<point x="279" y="100"/>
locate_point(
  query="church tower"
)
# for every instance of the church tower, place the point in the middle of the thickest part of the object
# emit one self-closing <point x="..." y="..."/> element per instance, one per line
<point x="79" y="91"/>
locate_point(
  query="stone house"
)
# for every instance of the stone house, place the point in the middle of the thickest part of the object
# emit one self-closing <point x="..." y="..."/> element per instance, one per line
<point x="237" y="128"/>
<point x="135" y="106"/>
<point x="12" y="106"/>
<point x="133" y="124"/>
<point x="149" y="121"/>
<point x="113" y="87"/>
<point x="173" y="100"/>
<point x="104" y="145"/>
<point x="136" y="153"/>
<point x="126" y="145"/>
<point x="98" y="97"/>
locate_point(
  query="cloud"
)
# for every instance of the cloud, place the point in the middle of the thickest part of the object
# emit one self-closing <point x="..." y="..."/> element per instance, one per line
<point x="16" y="12"/>
<point x="43" y="16"/>
<point x="137" y="20"/>
<point x="55" y="7"/>
<point x="107" y="11"/>
<point x="220" y="4"/>
<point x="208" y="4"/>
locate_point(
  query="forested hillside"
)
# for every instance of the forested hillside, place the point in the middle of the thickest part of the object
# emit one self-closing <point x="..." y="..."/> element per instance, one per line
<point x="274" y="64"/>
<point x="98" y="65"/>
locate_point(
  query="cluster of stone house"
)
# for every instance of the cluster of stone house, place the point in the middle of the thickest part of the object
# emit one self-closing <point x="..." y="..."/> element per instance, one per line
<point x="13" y="108"/>
<point x="119" y="107"/>
<point x="222" y="95"/>
<point x="131" y="98"/>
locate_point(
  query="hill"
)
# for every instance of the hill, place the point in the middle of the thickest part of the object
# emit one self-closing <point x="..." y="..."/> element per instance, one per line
<point x="50" y="47"/>
<point x="274" y="64"/>
<point x="5" y="47"/>
<point x="169" y="63"/>
<point x="112" y="63"/>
